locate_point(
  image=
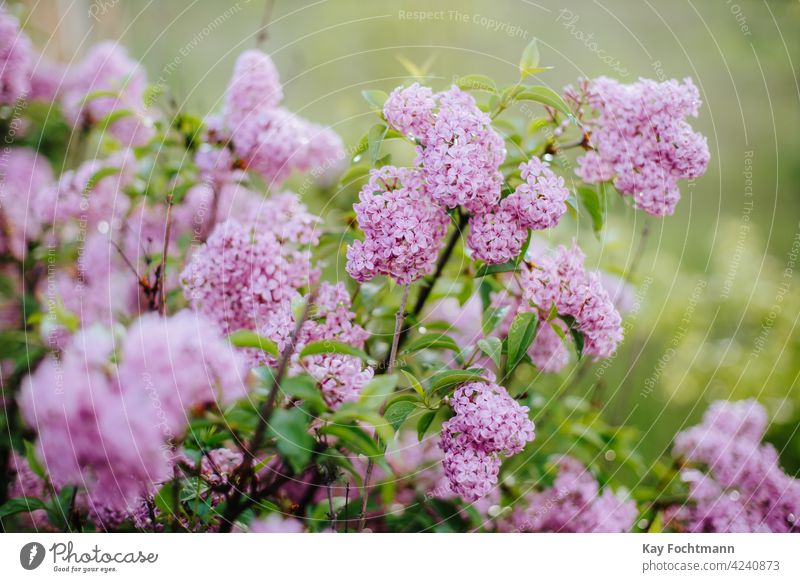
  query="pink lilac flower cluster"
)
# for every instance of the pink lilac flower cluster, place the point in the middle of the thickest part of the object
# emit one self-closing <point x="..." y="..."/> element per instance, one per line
<point x="559" y="279"/>
<point x="487" y="423"/>
<point x="735" y="482"/>
<point x="23" y="174"/>
<point x="267" y="138"/>
<point x="107" y="424"/>
<point x="642" y="140"/>
<point x="403" y="228"/>
<point x="90" y="196"/>
<point x="574" y="504"/>
<point x="243" y="275"/>
<point x="107" y="83"/>
<point x="15" y="59"/>
<point x="540" y="201"/>
<point x="459" y="155"/>
<point x="340" y="377"/>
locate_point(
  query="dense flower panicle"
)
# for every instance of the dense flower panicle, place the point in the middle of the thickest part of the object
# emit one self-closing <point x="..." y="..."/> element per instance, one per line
<point x="340" y="377"/>
<point x="23" y="174"/>
<point x="496" y="237"/>
<point x="92" y="432"/>
<point x="267" y="138"/>
<point x="15" y="59"/>
<point x="642" y="140"/>
<point x="539" y="202"/>
<point x="487" y="424"/>
<point x="460" y="154"/>
<point x="108" y="426"/>
<point x="154" y="358"/>
<point x="486" y="417"/>
<point x="47" y="79"/>
<point x="255" y="86"/>
<point x="216" y="166"/>
<point x="548" y="352"/>
<point x="735" y="482"/>
<point x="89" y="196"/>
<point x="410" y="110"/>
<point x="559" y="279"/>
<point x="575" y="504"/>
<point x="241" y="276"/>
<point x="403" y="229"/>
<point x="107" y="68"/>
<point x="276" y="142"/>
<point x="100" y="288"/>
<point x="471" y="473"/>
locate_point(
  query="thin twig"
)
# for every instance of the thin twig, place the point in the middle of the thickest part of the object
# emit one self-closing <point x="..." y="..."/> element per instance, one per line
<point x="263" y="35"/>
<point x="162" y="283"/>
<point x="429" y="283"/>
<point x="400" y="317"/>
<point x="243" y="474"/>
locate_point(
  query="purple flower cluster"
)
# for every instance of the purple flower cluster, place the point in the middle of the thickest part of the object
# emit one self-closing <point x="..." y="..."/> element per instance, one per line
<point x="267" y="138"/>
<point x="559" y="279"/>
<point x="487" y="423"/>
<point x="244" y="275"/>
<point x="106" y="83"/>
<point x="642" y="140"/>
<point x="735" y="481"/>
<point x="539" y="202"/>
<point x="459" y="156"/>
<point x="574" y="504"/>
<point x="15" y="59"/>
<point x="23" y="175"/>
<point x="403" y="228"/>
<point x="107" y="424"/>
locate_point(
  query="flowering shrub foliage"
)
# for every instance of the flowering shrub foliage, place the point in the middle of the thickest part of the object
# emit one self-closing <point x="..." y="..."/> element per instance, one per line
<point x="179" y="355"/>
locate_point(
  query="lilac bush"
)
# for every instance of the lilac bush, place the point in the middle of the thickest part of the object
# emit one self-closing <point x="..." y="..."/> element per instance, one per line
<point x="190" y="345"/>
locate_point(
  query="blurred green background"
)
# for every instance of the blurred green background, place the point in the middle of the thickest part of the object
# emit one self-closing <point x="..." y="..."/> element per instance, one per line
<point x="718" y="283"/>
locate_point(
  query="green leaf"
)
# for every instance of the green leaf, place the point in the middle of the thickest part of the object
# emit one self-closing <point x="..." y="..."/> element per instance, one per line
<point x="165" y="498"/>
<point x="414" y="382"/>
<point x="492" y="347"/>
<point x="375" y="97"/>
<point x="520" y="336"/>
<point x="99" y="175"/>
<point x="529" y="63"/>
<point x="357" y="411"/>
<point x="33" y="461"/>
<point x="450" y="378"/>
<point x="545" y="96"/>
<point x="353" y="174"/>
<point x="354" y="439"/>
<point x="577" y="335"/>
<point x="375" y="138"/>
<point x="21" y="505"/>
<point x="290" y="429"/>
<point x="244" y="338"/>
<point x="424" y="423"/>
<point x="305" y="388"/>
<point x="375" y="392"/>
<point x="500" y="268"/>
<point x="591" y="202"/>
<point x="477" y="83"/>
<point x="98" y="95"/>
<point x="398" y="412"/>
<point x="492" y="317"/>
<point x="433" y="341"/>
<point x="333" y="347"/>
